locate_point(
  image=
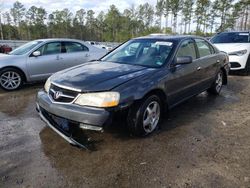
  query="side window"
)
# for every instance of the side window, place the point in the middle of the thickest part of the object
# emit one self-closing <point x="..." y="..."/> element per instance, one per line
<point x="41" y="49"/>
<point x="74" y="47"/>
<point x="187" y="48"/>
<point x="212" y="50"/>
<point x="50" y="48"/>
<point x="204" y="48"/>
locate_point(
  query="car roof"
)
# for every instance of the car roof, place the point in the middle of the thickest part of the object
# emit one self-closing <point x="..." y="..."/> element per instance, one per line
<point x="59" y="39"/>
<point x="169" y="37"/>
<point x="234" y="32"/>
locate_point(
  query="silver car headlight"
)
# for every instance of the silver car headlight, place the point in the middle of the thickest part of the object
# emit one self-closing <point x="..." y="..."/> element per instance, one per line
<point x="238" y="53"/>
<point x="47" y="85"/>
<point x="100" y="99"/>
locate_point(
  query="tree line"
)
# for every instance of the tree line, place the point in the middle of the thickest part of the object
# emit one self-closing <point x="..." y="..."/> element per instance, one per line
<point x="201" y="17"/>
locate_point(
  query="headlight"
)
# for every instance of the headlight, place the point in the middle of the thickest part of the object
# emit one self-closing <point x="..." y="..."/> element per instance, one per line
<point x="238" y="53"/>
<point x="101" y="99"/>
<point x="47" y="85"/>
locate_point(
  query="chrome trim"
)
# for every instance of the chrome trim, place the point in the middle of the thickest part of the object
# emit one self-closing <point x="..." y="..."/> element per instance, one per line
<point x="62" y="95"/>
<point x="66" y="87"/>
<point x="63" y="87"/>
<point x="68" y="139"/>
<point x="66" y="103"/>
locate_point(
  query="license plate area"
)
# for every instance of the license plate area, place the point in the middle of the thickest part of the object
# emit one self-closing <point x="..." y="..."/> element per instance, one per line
<point x="70" y="129"/>
<point x="62" y="124"/>
<point x="65" y="126"/>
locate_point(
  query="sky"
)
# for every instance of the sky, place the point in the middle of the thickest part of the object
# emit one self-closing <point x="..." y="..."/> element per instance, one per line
<point x="74" y="5"/>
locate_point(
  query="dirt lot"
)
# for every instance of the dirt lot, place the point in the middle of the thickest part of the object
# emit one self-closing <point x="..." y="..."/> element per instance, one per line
<point x="204" y="142"/>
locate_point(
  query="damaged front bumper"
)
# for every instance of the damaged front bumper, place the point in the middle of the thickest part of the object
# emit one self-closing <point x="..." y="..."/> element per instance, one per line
<point x="69" y="120"/>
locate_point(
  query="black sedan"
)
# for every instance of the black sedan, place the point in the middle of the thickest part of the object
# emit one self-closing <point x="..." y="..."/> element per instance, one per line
<point x="145" y="77"/>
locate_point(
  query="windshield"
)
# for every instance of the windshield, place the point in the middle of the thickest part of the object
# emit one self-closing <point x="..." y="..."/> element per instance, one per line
<point x="234" y="37"/>
<point x="25" y="48"/>
<point x="143" y="52"/>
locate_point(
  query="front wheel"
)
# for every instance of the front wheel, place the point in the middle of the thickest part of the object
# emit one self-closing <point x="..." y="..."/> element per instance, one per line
<point x="247" y="68"/>
<point x="217" y="84"/>
<point x="11" y="79"/>
<point x="144" y="118"/>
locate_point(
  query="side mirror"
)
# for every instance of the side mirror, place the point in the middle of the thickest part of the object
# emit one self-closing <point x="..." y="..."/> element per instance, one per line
<point x="36" y="53"/>
<point x="183" y="60"/>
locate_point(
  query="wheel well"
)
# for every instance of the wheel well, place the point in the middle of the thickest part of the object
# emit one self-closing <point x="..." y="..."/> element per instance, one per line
<point x="20" y="70"/>
<point x="224" y="75"/>
<point x="161" y="94"/>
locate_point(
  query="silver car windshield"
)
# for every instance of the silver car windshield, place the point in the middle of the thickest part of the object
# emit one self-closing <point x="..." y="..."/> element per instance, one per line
<point x="143" y="52"/>
<point x="25" y="48"/>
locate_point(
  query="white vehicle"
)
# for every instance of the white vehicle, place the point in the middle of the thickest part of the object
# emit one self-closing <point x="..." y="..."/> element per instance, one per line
<point x="237" y="45"/>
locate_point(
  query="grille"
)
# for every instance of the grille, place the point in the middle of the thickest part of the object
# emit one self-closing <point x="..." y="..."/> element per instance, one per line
<point x="62" y="95"/>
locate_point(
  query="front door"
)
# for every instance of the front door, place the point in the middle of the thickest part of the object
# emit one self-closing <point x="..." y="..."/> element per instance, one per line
<point x="183" y="79"/>
<point x="49" y="62"/>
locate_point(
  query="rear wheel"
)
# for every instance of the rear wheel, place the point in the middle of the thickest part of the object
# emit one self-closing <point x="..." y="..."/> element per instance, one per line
<point x="217" y="85"/>
<point x="144" y="118"/>
<point x="11" y="79"/>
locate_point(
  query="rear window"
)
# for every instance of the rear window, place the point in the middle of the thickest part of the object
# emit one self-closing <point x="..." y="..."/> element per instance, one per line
<point x="203" y="47"/>
<point x="234" y="37"/>
<point x="74" y="47"/>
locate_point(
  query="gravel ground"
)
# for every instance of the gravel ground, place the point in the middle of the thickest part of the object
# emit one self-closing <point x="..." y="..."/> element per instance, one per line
<point x="204" y="142"/>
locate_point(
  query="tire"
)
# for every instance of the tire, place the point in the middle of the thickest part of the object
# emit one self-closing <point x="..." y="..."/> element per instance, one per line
<point x="144" y="118"/>
<point x="246" y="71"/>
<point x="11" y="79"/>
<point x="217" y="84"/>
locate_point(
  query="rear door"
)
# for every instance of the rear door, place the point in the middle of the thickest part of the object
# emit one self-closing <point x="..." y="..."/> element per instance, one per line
<point x="209" y="62"/>
<point x="49" y="62"/>
<point x="183" y="79"/>
<point x="74" y="53"/>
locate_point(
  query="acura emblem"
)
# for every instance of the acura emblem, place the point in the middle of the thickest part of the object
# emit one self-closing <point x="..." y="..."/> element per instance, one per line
<point x="57" y="94"/>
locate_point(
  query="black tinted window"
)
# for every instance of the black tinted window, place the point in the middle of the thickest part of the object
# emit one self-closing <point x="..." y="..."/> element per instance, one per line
<point x="233" y="37"/>
<point x="187" y="48"/>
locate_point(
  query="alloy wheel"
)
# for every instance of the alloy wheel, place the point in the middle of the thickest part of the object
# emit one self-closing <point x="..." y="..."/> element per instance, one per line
<point x="219" y="82"/>
<point x="151" y="116"/>
<point x="10" y="80"/>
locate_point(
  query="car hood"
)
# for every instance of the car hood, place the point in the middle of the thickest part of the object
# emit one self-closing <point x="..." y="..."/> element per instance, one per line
<point x="98" y="76"/>
<point x="6" y="57"/>
<point x="232" y="47"/>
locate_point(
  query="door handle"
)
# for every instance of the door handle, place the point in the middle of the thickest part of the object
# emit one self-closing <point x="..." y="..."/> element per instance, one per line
<point x="198" y="68"/>
<point x="87" y="55"/>
<point x="58" y="57"/>
<point x="218" y="61"/>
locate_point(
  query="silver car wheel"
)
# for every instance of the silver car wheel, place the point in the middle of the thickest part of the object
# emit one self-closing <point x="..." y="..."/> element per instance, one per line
<point x="10" y="80"/>
<point x="151" y="116"/>
<point x="219" y="82"/>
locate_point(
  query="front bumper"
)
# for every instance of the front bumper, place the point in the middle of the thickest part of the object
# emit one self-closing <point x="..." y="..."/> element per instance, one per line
<point x="79" y="117"/>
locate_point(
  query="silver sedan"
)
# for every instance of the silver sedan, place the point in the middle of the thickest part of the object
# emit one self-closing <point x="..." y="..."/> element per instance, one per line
<point x="37" y="60"/>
